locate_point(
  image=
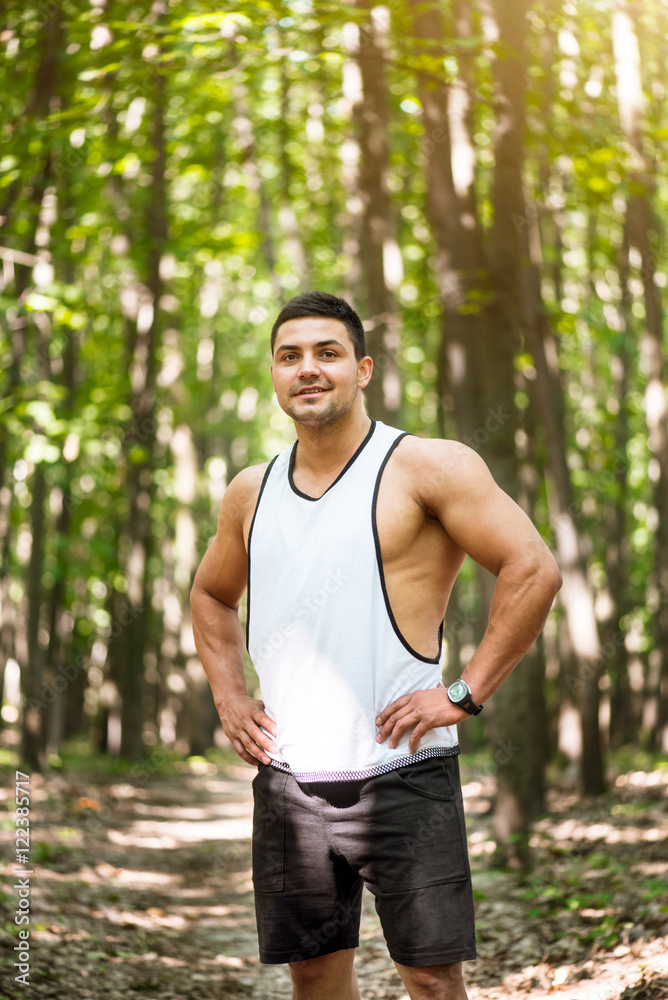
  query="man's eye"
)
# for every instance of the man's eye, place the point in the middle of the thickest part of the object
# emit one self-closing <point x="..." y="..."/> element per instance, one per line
<point x="329" y="354"/>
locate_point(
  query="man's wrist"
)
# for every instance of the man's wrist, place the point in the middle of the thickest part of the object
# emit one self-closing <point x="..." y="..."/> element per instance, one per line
<point x="462" y="716"/>
<point x="461" y="696"/>
<point x="229" y="695"/>
<point x="452" y="714"/>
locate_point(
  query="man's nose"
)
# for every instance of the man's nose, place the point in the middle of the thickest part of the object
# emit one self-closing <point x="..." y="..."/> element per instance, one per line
<point x="309" y="367"/>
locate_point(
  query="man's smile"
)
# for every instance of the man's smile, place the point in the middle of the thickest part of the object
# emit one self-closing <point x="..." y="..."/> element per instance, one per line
<point x="311" y="390"/>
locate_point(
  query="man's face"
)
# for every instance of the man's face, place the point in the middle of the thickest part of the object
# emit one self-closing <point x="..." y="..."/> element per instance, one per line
<point x="315" y="373"/>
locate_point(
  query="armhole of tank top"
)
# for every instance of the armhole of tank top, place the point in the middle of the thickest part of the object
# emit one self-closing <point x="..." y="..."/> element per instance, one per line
<point x="379" y="560"/>
<point x="250" y="535"/>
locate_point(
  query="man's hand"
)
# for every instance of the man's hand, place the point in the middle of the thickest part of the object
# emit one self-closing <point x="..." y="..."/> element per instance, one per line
<point x="423" y="709"/>
<point x="241" y="720"/>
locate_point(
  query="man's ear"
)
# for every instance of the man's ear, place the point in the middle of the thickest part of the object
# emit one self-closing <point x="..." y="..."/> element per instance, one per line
<point x="364" y="372"/>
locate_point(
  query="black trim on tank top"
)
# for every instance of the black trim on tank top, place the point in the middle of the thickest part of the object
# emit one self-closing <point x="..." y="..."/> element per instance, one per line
<point x="250" y="532"/>
<point x="342" y="473"/>
<point x="379" y="560"/>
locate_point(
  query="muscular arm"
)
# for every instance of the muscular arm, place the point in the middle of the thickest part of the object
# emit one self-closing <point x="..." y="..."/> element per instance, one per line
<point x="453" y="484"/>
<point x="214" y="600"/>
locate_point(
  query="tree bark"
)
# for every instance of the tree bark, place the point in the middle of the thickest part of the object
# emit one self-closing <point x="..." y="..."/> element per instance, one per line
<point x="460" y="267"/>
<point x="137" y="537"/>
<point x="511" y="709"/>
<point x="624" y="719"/>
<point x="287" y="216"/>
<point x="643" y="233"/>
<point x="32" y="743"/>
<point x="43" y="95"/>
<point x="378" y="250"/>
<point x="576" y="595"/>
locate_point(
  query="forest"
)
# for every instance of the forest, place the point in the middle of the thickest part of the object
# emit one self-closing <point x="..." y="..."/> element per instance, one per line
<point x="485" y="182"/>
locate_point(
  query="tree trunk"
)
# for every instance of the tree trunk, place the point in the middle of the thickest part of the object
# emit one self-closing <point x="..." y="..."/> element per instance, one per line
<point x="44" y="94"/>
<point x="537" y="721"/>
<point x="246" y="139"/>
<point x="643" y="232"/>
<point x="379" y="253"/>
<point x="32" y="744"/>
<point x="624" y="722"/>
<point x="576" y="595"/>
<point x="58" y="635"/>
<point x="137" y="538"/>
<point x="287" y="216"/>
<point x="459" y="264"/>
<point x="511" y="702"/>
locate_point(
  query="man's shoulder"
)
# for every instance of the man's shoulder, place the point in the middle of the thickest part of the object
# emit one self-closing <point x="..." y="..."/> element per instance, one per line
<point x="438" y="470"/>
<point x="418" y="455"/>
<point x="242" y="491"/>
<point x="249" y="480"/>
<point x="440" y="474"/>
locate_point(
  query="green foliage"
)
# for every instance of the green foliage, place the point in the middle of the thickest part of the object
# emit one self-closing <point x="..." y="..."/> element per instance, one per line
<point x="258" y="201"/>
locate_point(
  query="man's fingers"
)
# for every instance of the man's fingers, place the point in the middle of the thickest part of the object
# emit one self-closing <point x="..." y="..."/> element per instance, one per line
<point x="253" y="748"/>
<point x="243" y="753"/>
<point x="261" y="739"/>
<point x="392" y="721"/>
<point x="416" y="736"/>
<point x="262" y="719"/>
<point x="400" y="727"/>
<point x="267" y="723"/>
<point x="391" y="709"/>
<point x="387" y="728"/>
<point x="396" y="734"/>
<point x="414" y="710"/>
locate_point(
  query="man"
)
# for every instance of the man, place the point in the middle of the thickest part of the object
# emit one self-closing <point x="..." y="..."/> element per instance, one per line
<point x="349" y="543"/>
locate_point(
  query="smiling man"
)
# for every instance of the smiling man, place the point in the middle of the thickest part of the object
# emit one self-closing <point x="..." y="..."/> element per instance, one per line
<point x="349" y="543"/>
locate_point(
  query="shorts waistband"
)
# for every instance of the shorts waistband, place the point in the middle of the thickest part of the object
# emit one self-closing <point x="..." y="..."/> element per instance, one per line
<point x="370" y="772"/>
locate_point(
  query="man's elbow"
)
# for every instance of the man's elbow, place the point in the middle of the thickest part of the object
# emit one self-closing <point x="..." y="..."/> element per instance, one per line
<point x="550" y="575"/>
<point x="197" y="591"/>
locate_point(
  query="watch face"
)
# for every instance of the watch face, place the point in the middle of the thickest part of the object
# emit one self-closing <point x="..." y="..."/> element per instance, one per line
<point x="458" y="691"/>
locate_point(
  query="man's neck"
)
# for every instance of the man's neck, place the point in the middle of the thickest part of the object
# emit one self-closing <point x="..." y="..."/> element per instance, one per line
<point x="322" y="450"/>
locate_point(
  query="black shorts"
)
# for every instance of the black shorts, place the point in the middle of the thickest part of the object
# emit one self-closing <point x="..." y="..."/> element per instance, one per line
<point x="402" y="833"/>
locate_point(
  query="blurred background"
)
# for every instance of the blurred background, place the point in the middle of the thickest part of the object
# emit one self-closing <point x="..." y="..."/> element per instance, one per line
<point x="484" y="181"/>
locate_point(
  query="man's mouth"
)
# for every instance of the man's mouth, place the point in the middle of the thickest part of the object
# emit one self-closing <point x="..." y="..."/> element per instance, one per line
<point x="311" y="390"/>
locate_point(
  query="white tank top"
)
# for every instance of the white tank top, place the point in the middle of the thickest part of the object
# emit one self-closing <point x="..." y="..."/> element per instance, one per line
<point x="320" y="629"/>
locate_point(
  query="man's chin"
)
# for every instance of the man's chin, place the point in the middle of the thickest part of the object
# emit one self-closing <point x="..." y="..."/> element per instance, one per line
<point x="309" y="416"/>
<point x="316" y="419"/>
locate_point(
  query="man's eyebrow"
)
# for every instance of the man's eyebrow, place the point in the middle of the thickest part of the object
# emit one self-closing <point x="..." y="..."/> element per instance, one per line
<point x="320" y="343"/>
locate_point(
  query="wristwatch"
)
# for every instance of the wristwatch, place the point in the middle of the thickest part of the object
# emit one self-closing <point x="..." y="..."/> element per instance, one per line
<point x="459" y="694"/>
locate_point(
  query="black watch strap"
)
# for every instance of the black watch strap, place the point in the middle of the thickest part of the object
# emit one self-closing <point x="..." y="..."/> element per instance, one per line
<point x="470" y="706"/>
<point x="461" y="697"/>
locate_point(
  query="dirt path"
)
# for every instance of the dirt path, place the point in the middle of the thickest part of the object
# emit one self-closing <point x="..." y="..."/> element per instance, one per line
<point x="142" y="888"/>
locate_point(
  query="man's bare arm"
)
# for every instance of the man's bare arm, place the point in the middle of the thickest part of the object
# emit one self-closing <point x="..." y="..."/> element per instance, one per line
<point x="214" y="599"/>
<point x="453" y="483"/>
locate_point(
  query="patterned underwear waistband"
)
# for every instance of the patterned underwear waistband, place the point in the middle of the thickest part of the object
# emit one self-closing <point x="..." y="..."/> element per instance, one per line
<point x="369" y="772"/>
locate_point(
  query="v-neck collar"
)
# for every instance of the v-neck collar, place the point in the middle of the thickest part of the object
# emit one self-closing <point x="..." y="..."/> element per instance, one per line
<point x="342" y="473"/>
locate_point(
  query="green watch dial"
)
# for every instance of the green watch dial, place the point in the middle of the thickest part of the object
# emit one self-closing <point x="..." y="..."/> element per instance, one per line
<point x="457" y="691"/>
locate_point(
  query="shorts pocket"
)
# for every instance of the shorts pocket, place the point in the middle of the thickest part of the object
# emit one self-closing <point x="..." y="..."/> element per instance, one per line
<point x="417" y="823"/>
<point x="429" y="778"/>
<point x="268" y="843"/>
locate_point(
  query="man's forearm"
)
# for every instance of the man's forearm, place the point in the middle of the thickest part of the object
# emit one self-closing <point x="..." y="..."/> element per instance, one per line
<point x="219" y="639"/>
<point x="520" y="605"/>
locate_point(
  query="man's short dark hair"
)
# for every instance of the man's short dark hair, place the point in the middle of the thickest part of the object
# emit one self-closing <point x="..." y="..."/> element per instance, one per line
<point x="323" y="304"/>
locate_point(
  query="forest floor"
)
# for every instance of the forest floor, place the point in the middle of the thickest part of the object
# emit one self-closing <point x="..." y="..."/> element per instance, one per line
<point x="142" y="888"/>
